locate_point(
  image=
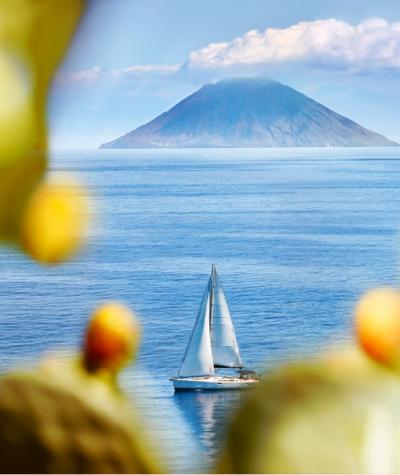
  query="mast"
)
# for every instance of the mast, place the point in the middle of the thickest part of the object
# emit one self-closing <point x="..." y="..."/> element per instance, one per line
<point x="211" y="294"/>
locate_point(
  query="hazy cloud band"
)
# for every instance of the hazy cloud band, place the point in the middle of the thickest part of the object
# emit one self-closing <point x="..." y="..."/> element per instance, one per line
<point x="373" y="44"/>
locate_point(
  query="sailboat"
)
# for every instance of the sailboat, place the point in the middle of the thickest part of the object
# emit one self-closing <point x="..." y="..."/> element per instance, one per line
<point x="212" y="345"/>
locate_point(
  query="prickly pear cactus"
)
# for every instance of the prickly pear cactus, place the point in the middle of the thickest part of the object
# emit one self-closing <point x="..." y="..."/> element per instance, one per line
<point x="337" y="414"/>
<point x="46" y="428"/>
<point x="341" y="415"/>
<point x="69" y="416"/>
<point x="44" y="219"/>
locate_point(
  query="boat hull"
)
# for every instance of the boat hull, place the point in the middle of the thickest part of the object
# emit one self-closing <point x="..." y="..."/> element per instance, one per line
<point x="211" y="383"/>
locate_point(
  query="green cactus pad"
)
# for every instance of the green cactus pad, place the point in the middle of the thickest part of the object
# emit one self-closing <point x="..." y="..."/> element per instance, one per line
<point x="46" y="428"/>
<point x="338" y="415"/>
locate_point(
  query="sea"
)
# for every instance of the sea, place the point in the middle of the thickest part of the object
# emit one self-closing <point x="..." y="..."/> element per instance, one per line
<point x="297" y="236"/>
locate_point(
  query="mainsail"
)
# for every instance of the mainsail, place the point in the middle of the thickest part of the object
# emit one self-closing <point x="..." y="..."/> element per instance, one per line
<point x="213" y="341"/>
<point x="225" y="349"/>
<point x="197" y="360"/>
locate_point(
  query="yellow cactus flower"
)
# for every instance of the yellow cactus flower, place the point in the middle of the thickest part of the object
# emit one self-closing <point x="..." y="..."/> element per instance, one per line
<point x="54" y="222"/>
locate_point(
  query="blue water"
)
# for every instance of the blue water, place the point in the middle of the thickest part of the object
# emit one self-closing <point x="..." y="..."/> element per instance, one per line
<point x="296" y="234"/>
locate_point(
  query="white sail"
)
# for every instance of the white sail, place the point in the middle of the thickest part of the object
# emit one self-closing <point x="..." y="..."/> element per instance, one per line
<point x="197" y="360"/>
<point x="225" y="349"/>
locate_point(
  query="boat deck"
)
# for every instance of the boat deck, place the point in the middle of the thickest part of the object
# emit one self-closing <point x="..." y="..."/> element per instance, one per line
<point x="212" y="383"/>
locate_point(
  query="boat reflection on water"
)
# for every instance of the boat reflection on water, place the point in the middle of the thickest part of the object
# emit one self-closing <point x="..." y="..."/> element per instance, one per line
<point x="208" y="412"/>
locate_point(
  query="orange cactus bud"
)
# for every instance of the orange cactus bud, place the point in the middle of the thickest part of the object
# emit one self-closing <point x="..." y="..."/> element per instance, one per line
<point x="377" y="324"/>
<point x="111" y="338"/>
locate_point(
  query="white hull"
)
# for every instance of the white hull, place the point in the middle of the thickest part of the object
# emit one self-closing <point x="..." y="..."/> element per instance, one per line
<point x="212" y="383"/>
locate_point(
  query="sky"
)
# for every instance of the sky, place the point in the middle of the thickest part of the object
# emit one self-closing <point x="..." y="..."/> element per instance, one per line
<point x="133" y="59"/>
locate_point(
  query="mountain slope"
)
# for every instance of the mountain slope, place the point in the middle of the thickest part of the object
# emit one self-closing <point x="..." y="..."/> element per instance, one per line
<point x="249" y="113"/>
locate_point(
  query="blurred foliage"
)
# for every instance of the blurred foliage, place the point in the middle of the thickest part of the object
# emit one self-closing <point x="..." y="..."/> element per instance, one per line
<point x="67" y="415"/>
<point x="340" y="413"/>
<point x="64" y="417"/>
<point x="34" y="35"/>
<point x="337" y="414"/>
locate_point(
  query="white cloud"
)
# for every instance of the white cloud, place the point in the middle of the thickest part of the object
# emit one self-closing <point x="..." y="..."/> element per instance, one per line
<point x="150" y="68"/>
<point x="91" y="75"/>
<point x="85" y="75"/>
<point x="373" y="43"/>
<point x="147" y="68"/>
